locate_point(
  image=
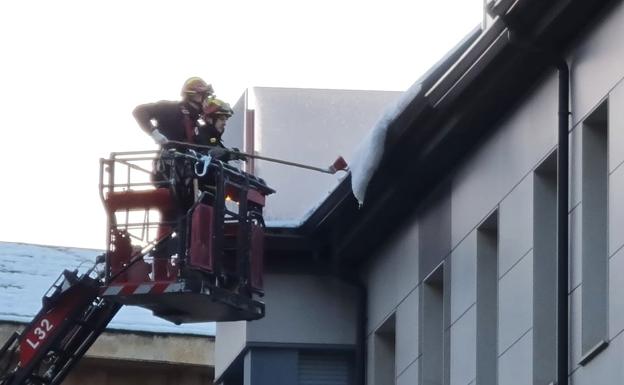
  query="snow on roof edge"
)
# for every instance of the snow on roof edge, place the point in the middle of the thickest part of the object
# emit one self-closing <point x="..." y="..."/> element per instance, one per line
<point x="369" y="152"/>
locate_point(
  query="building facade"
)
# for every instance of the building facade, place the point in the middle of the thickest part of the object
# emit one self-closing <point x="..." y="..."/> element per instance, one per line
<point x="450" y="271"/>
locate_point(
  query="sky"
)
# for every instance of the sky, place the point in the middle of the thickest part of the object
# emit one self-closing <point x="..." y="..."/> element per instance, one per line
<point x="71" y="72"/>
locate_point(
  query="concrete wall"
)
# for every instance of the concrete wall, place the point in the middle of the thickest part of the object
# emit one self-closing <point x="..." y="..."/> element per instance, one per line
<point x="234" y="134"/>
<point x="230" y="342"/>
<point x="504" y="179"/>
<point x="297" y="308"/>
<point x="102" y="372"/>
<point x="309" y="126"/>
<point x="172" y="349"/>
<point x="136" y="358"/>
<point x="300" y="310"/>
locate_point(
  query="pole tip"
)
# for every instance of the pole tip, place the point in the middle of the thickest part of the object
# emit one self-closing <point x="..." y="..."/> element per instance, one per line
<point x="339" y="165"/>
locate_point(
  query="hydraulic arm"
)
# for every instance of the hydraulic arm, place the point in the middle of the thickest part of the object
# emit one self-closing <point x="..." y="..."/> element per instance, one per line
<point x="73" y="315"/>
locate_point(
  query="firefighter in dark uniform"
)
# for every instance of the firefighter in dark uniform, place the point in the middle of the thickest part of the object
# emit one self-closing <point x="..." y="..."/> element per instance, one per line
<point x="210" y="131"/>
<point x="167" y="121"/>
<point x="175" y="120"/>
<point x="215" y="114"/>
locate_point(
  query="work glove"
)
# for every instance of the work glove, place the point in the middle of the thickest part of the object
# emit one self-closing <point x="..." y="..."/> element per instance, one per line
<point x="218" y="153"/>
<point x="236" y="155"/>
<point x="159" y="138"/>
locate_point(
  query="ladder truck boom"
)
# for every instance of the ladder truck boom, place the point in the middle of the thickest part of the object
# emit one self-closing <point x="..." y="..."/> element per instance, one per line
<point x="200" y="260"/>
<point x="72" y="316"/>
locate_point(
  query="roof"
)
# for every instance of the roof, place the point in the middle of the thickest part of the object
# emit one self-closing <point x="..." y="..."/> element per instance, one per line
<point x="444" y="117"/>
<point x="27" y="271"/>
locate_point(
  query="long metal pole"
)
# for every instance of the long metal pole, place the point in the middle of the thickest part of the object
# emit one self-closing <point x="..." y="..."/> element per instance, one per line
<point x="328" y="170"/>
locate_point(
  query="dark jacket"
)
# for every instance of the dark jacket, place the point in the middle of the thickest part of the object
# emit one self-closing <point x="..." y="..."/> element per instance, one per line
<point x="209" y="136"/>
<point x="170" y="118"/>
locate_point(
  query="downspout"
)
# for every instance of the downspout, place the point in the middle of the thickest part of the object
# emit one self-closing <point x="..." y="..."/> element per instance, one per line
<point x="360" y="344"/>
<point x="352" y="278"/>
<point x="562" y="222"/>
<point x="359" y="374"/>
<point x="563" y="166"/>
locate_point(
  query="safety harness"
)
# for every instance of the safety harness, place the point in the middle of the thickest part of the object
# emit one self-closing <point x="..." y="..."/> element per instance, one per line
<point x="189" y="127"/>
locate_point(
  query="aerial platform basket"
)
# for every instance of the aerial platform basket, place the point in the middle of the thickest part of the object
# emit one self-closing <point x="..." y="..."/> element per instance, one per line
<point x="184" y="241"/>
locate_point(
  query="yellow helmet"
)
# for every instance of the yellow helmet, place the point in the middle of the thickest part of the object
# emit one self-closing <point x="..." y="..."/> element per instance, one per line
<point x="215" y="107"/>
<point x="196" y="85"/>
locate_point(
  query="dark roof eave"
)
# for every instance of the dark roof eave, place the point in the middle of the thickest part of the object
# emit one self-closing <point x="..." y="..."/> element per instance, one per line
<point x="466" y="105"/>
<point x="437" y="134"/>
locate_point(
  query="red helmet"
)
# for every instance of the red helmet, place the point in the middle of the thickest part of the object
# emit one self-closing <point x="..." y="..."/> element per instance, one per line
<point x="196" y="85"/>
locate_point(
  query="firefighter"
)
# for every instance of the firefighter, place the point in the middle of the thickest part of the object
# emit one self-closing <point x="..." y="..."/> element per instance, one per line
<point x="167" y="121"/>
<point x="215" y="114"/>
<point x="175" y="120"/>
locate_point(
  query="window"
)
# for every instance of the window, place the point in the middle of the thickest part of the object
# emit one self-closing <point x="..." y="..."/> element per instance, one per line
<point x="384" y="355"/>
<point x="545" y="271"/>
<point x="487" y="300"/>
<point x="434" y="346"/>
<point x="594" y="233"/>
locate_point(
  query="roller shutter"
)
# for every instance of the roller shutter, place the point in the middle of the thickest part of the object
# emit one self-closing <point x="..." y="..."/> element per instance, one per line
<point x="317" y="368"/>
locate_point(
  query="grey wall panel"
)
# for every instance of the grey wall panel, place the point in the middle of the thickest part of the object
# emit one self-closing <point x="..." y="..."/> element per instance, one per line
<point x="407" y="331"/>
<point x="235" y="128"/>
<point x="406" y="255"/>
<point x="398" y="259"/>
<point x="306" y="309"/>
<point x="576" y="168"/>
<point x="521" y="141"/>
<point x="515" y="303"/>
<point x="229" y="342"/>
<point x="596" y="64"/>
<point x="382" y="291"/>
<point x="478" y="187"/>
<point x="576" y="249"/>
<point x="370" y="359"/>
<point x="434" y="231"/>
<point x="616" y="210"/>
<point x="575" y="327"/>
<point x="605" y="368"/>
<point x="463" y="276"/>
<point x="409" y="376"/>
<point x="516" y="225"/>
<point x="616" y="127"/>
<point x="515" y="365"/>
<point x="311" y="126"/>
<point x="616" y="297"/>
<point x="464" y="348"/>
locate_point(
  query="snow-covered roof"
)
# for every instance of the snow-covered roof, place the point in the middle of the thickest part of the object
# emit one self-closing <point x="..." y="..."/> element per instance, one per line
<point x="27" y="271"/>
